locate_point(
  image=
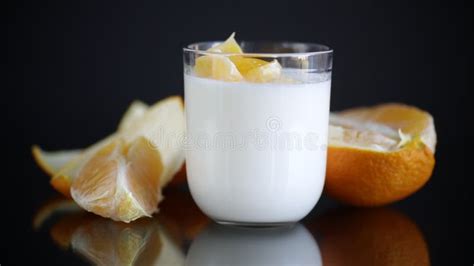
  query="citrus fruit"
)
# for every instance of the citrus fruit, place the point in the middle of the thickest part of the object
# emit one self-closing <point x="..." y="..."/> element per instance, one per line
<point x="229" y="46"/>
<point x="380" y="154"/>
<point x="369" y="237"/>
<point x="245" y="64"/>
<point x="264" y="73"/>
<point x="52" y="162"/>
<point x="61" y="180"/>
<point x="217" y="67"/>
<point x="234" y="67"/>
<point x="120" y="181"/>
<point x="162" y="123"/>
<point x="135" y="111"/>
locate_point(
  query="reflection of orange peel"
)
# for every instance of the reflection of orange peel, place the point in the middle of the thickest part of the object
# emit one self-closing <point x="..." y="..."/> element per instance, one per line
<point x="369" y="237"/>
<point x="52" y="206"/>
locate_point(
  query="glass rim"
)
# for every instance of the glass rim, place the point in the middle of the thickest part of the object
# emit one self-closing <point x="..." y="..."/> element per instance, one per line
<point x="324" y="49"/>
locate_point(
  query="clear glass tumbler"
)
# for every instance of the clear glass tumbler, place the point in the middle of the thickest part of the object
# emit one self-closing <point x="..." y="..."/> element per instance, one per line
<point x="256" y="150"/>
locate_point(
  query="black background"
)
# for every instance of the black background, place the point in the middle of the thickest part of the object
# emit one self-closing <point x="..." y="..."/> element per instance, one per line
<point x="74" y="66"/>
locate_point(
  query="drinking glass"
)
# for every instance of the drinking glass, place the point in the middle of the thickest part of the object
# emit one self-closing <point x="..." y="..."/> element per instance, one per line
<point x="256" y="151"/>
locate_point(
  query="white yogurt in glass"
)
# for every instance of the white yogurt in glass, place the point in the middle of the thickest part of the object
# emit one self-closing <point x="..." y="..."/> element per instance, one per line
<point x="256" y="153"/>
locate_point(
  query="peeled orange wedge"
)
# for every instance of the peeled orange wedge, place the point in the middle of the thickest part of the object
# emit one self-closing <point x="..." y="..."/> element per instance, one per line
<point x="163" y="124"/>
<point x="121" y="176"/>
<point x="265" y="73"/>
<point x="235" y="67"/>
<point x="378" y="155"/>
<point x="62" y="179"/>
<point x="62" y="165"/>
<point x="217" y="67"/>
<point x="229" y="46"/>
<point x="121" y="181"/>
<point x="245" y="64"/>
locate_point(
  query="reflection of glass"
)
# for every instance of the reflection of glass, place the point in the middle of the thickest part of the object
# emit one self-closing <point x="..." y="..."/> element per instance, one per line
<point x="369" y="237"/>
<point x="256" y="152"/>
<point x="224" y="245"/>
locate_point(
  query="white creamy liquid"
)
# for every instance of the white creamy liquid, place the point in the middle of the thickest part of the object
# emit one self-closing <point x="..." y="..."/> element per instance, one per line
<point x="256" y="153"/>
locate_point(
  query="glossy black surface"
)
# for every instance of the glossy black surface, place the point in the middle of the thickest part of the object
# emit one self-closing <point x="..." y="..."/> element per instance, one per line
<point x="72" y="68"/>
<point x="411" y="232"/>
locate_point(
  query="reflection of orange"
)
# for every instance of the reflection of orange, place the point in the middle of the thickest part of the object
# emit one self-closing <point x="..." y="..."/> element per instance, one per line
<point x="180" y="215"/>
<point x="62" y="231"/>
<point x="106" y="242"/>
<point x="102" y="240"/>
<point x="370" y="237"/>
<point x="52" y="206"/>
